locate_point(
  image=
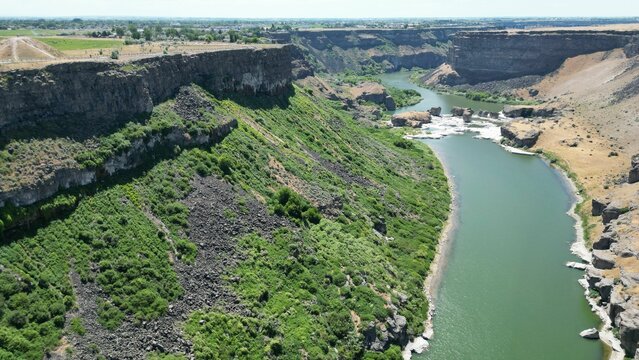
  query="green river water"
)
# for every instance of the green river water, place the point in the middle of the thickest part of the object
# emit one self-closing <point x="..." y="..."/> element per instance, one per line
<point x="505" y="292"/>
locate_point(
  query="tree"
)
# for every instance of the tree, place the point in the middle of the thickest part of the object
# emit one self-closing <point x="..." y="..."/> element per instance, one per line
<point x="148" y="34"/>
<point x="119" y="31"/>
<point x="134" y="31"/>
<point x="233" y="36"/>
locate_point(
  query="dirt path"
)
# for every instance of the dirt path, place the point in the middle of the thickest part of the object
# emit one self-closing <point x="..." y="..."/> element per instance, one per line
<point x="14" y="49"/>
<point x="30" y="43"/>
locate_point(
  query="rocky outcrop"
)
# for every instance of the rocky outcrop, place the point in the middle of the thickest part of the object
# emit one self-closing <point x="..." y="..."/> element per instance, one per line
<point x="523" y="139"/>
<point x="598" y="206"/>
<point x="380" y="336"/>
<point x="633" y="175"/>
<point x="133" y="156"/>
<point x="102" y="92"/>
<point x="605" y="241"/>
<point x="591" y="333"/>
<point x="615" y="277"/>
<point x="632" y="49"/>
<point x="613" y="211"/>
<point x="488" y="114"/>
<point x="482" y="56"/>
<point x="413" y="119"/>
<point x="375" y="93"/>
<point x="435" y="111"/>
<point x="603" y="259"/>
<point x="525" y="111"/>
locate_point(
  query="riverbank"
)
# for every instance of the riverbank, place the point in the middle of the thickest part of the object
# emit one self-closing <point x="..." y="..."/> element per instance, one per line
<point x="433" y="280"/>
<point x="612" y="346"/>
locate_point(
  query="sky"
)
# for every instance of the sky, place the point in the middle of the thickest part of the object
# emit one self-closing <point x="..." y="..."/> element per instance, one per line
<point x="319" y="8"/>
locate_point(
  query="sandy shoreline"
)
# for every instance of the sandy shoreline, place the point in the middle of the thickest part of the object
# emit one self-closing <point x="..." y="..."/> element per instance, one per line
<point x="433" y="280"/>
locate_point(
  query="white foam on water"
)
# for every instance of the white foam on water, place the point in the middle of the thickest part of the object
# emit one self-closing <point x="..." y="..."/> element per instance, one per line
<point x="451" y="125"/>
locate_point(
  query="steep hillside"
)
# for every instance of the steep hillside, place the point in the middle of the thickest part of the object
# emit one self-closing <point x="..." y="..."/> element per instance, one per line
<point x="295" y="232"/>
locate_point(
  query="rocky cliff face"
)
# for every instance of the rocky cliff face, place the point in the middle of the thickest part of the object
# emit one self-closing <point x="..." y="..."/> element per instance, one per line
<point x="99" y="92"/>
<point x="498" y="55"/>
<point x="614" y="273"/>
<point x="336" y="50"/>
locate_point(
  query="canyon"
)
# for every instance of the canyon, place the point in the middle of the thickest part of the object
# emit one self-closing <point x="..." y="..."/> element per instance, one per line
<point x="257" y="185"/>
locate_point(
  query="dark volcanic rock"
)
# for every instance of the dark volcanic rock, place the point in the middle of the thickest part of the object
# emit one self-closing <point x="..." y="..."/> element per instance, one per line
<point x="495" y="55"/>
<point x="389" y="103"/>
<point x="413" y="119"/>
<point x="598" y="206"/>
<point x="518" y="138"/>
<point x="605" y="241"/>
<point x="215" y="233"/>
<point x="99" y="93"/>
<point x="435" y="111"/>
<point x="603" y="259"/>
<point x="523" y="111"/>
<point x="612" y="212"/>
<point x="633" y="175"/>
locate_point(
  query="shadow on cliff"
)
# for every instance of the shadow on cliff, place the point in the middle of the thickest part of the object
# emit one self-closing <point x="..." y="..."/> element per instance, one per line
<point x="77" y="129"/>
<point x="29" y="219"/>
<point x="261" y="101"/>
<point x="80" y="130"/>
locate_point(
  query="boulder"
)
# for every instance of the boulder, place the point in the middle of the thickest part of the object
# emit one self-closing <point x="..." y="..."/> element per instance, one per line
<point x="397" y="330"/>
<point x="591" y="334"/>
<point x="605" y="241"/>
<point x="525" y="111"/>
<point x="375" y="93"/>
<point x="633" y="175"/>
<point x="457" y="111"/>
<point x="598" y="206"/>
<point x="520" y="138"/>
<point x="467" y="115"/>
<point x="380" y="336"/>
<point x="612" y="212"/>
<point x="617" y="304"/>
<point x="435" y="111"/>
<point x="604" y="286"/>
<point x="389" y="103"/>
<point x="593" y="276"/>
<point x="603" y="259"/>
<point x="412" y="119"/>
<point x="488" y="114"/>
<point x="629" y="330"/>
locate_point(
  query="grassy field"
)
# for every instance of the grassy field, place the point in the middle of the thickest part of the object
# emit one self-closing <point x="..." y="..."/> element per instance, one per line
<point x="64" y="44"/>
<point x="30" y="32"/>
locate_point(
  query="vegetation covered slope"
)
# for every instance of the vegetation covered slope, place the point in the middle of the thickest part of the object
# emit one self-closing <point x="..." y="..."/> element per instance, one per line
<point x="360" y="222"/>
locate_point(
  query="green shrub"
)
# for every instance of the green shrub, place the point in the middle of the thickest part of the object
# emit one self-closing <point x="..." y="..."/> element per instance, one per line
<point x="77" y="326"/>
<point x="286" y="202"/>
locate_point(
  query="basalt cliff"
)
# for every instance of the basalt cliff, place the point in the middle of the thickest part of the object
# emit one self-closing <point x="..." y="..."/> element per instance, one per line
<point x="100" y="93"/>
<point x="81" y="100"/>
<point x="482" y="56"/>
<point x="336" y="50"/>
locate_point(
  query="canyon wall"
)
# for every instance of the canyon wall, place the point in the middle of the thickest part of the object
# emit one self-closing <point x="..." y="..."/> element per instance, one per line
<point x="336" y="50"/>
<point x="497" y="55"/>
<point x="101" y="92"/>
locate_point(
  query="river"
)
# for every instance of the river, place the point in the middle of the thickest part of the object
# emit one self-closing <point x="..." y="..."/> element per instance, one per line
<point x="505" y="292"/>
